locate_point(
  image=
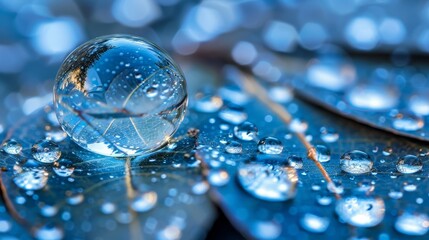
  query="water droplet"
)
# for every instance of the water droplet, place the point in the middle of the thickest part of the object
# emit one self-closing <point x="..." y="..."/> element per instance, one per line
<point x="323" y="154"/>
<point x="233" y="147"/>
<point x="31" y="179"/>
<point x="280" y="94"/>
<point x="328" y="135"/>
<point x="170" y="232"/>
<point x="314" y="223"/>
<point x="63" y="167"/>
<point x="419" y="104"/>
<point x="207" y="103"/>
<point x="108" y="208"/>
<point x="407" y="122"/>
<point x="366" y="186"/>
<point x="55" y="134"/>
<point x="5" y="226"/>
<point x="361" y="211"/>
<point x="297" y="125"/>
<point x="356" y="162"/>
<point x="151" y="92"/>
<point x="48" y="210"/>
<point x="46" y="151"/>
<point x="410" y="187"/>
<point x="246" y="131"/>
<point x="11" y="146"/>
<point x="232" y="115"/>
<point x="324" y="199"/>
<point x="200" y="188"/>
<point x="140" y="100"/>
<point x="74" y="198"/>
<point x="372" y="97"/>
<point x="49" y="232"/>
<point x="144" y="202"/>
<point x="218" y="177"/>
<point x="412" y="223"/>
<point x="270" y="181"/>
<point x="295" y="162"/>
<point x="270" y="145"/>
<point x="387" y="151"/>
<point x="394" y="194"/>
<point x="409" y="164"/>
<point x="335" y="187"/>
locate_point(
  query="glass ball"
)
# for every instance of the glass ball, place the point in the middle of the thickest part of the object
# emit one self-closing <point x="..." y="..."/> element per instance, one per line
<point x="120" y="96"/>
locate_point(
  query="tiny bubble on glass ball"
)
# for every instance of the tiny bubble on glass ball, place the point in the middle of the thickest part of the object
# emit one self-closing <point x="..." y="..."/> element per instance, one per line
<point x="120" y="96"/>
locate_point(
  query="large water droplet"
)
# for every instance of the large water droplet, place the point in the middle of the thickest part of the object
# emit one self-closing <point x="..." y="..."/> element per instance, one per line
<point x="361" y="211"/>
<point x="270" y="145"/>
<point x="356" y="162"/>
<point x="46" y="151"/>
<point x="63" y="167"/>
<point x="407" y="122"/>
<point x="144" y="202"/>
<point x="409" y="164"/>
<point x="246" y="131"/>
<point x="12" y="146"/>
<point x="268" y="181"/>
<point x="412" y="223"/>
<point x="314" y="223"/>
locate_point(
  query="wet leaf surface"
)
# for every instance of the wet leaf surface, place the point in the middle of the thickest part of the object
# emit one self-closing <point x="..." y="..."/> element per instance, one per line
<point x="144" y="198"/>
<point x="258" y="218"/>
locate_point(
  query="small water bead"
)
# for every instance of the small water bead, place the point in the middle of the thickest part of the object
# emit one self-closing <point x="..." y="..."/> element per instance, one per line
<point x="268" y="181"/>
<point x="48" y="210"/>
<point x="412" y="223"/>
<point x="366" y="186"/>
<point x="409" y="164"/>
<point x="31" y="179"/>
<point x="74" y="198"/>
<point x="419" y="104"/>
<point x="324" y="199"/>
<point x="407" y="122"/>
<point x="144" y="202"/>
<point x="233" y="115"/>
<point x="218" y="177"/>
<point x="295" y="162"/>
<point x="142" y="100"/>
<point x="323" y="154"/>
<point x="314" y="223"/>
<point x="49" y="232"/>
<point x="233" y="147"/>
<point x="207" y="103"/>
<point x="63" y="168"/>
<point x="394" y="194"/>
<point x="46" y="151"/>
<point x="361" y="211"/>
<point x="387" y="151"/>
<point x="372" y="97"/>
<point x="246" y="131"/>
<point x="12" y="146"/>
<point x="335" y="187"/>
<point x="328" y="135"/>
<point x="270" y="145"/>
<point x="296" y="125"/>
<point x="280" y="94"/>
<point x="108" y="208"/>
<point x="356" y="162"/>
<point x="409" y="187"/>
<point x="200" y="188"/>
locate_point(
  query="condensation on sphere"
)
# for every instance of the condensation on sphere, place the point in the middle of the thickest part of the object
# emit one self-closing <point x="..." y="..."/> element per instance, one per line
<point x="120" y="96"/>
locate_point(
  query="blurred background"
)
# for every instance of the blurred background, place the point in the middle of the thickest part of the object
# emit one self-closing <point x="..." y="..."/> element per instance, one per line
<point x="35" y="36"/>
